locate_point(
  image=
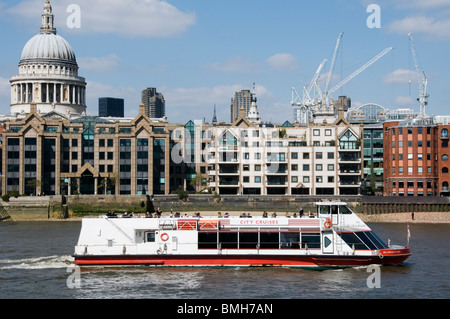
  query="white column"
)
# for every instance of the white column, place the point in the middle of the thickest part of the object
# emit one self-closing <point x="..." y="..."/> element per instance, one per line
<point x="54" y="92"/>
<point x="48" y="93"/>
<point x="26" y="93"/>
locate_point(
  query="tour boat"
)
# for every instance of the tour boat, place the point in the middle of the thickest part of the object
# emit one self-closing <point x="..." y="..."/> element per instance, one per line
<point x="333" y="237"/>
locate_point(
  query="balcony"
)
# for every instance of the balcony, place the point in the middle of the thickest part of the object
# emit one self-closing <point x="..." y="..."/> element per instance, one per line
<point x="229" y="181"/>
<point x="229" y="169"/>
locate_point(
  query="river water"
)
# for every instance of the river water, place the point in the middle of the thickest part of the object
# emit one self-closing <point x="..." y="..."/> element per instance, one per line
<point x="35" y="262"/>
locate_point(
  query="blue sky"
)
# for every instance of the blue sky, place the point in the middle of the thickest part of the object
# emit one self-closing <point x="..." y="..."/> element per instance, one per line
<point x="199" y="52"/>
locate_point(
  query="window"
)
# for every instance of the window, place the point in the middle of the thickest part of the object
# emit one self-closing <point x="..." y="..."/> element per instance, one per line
<point x="305" y="179"/>
<point x="331" y="167"/>
<point x="305" y="155"/>
<point x="318" y="167"/>
<point x="327" y="132"/>
<point x="319" y="155"/>
<point x="445" y="170"/>
<point x="257" y="179"/>
<point x="150" y="237"/>
<point x="294" y="155"/>
<point x="294" y="179"/>
<point x="306" y="167"/>
<point x="316" y="132"/>
<point x="445" y="157"/>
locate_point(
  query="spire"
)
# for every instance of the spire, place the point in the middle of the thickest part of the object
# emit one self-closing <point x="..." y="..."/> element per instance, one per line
<point x="214" y="120"/>
<point x="253" y="114"/>
<point x="48" y="19"/>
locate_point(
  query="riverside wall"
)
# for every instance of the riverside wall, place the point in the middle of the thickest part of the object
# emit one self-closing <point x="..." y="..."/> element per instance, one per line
<point x="76" y="206"/>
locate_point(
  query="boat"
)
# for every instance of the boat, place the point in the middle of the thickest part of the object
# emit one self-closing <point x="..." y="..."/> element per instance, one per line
<point x="333" y="237"/>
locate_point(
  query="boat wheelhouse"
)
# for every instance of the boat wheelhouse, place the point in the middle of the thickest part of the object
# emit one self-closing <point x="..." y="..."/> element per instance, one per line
<point x="334" y="237"/>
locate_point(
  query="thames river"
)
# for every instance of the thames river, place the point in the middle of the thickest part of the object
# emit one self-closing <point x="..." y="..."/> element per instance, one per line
<point x="35" y="262"/>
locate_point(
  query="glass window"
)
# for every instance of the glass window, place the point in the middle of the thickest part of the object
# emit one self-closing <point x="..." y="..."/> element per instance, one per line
<point x="150" y="237"/>
<point x="269" y="240"/>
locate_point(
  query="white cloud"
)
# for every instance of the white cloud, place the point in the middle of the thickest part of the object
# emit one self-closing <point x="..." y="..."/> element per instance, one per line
<point x="283" y="61"/>
<point x="404" y="101"/>
<point x="421" y="4"/>
<point x="100" y="64"/>
<point x="429" y="26"/>
<point x="400" y="76"/>
<point x="235" y="64"/>
<point x="141" y="18"/>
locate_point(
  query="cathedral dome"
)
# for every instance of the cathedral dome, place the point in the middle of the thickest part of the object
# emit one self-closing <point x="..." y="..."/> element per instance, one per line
<point x="48" y="47"/>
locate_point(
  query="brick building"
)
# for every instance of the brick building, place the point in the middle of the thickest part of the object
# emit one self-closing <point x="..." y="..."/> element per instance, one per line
<point x="416" y="159"/>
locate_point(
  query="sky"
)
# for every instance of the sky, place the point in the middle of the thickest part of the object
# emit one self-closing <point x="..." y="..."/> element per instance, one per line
<point x="198" y="53"/>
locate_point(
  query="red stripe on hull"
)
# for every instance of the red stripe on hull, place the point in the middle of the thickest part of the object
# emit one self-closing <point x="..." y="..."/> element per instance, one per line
<point x="239" y="261"/>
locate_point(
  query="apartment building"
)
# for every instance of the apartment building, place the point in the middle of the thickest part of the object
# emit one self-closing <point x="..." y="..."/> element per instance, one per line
<point x="416" y="158"/>
<point x="309" y="159"/>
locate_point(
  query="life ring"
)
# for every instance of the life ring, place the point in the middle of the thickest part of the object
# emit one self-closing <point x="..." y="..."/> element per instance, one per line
<point x="328" y="223"/>
<point x="164" y="237"/>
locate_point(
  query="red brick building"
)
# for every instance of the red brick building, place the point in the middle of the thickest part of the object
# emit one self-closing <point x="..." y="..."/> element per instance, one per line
<point x="416" y="158"/>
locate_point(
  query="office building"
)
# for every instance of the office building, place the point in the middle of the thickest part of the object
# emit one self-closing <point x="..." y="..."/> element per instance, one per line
<point x="155" y="105"/>
<point x="242" y="99"/>
<point x="416" y="158"/>
<point x="109" y="106"/>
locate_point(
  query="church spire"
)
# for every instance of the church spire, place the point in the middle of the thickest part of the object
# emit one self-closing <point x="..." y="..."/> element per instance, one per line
<point x="214" y="119"/>
<point x="48" y="19"/>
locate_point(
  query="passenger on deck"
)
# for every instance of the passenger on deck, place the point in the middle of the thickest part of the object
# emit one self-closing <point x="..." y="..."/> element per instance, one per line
<point x="148" y="215"/>
<point x="219" y="215"/>
<point x="265" y="215"/>
<point x="301" y="212"/>
<point x="158" y="213"/>
<point x="226" y="215"/>
<point x="295" y="215"/>
<point x="274" y="215"/>
<point x="311" y="215"/>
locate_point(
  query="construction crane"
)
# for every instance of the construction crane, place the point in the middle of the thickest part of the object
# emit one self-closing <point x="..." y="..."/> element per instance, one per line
<point x="330" y="72"/>
<point x="309" y="104"/>
<point x="421" y="79"/>
<point x="305" y="104"/>
<point x="357" y="72"/>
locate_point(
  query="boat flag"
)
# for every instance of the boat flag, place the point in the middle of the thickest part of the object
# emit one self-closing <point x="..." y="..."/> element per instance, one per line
<point x="409" y="235"/>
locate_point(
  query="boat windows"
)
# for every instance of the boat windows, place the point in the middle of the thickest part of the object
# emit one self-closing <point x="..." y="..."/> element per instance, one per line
<point x="229" y="240"/>
<point x="207" y="240"/>
<point x="344" y="210"/>
<point x="255" y="240"/>
<point x="312" y="240"/>
<point x="248" y="240"/>
<point x="150" y="237"/>
<point x="324" y="209"/>
<point x="363" y="240"/>
<point x="269" y="240"/>
<point x="353" y="241"/>
<point x="289" y="240"/>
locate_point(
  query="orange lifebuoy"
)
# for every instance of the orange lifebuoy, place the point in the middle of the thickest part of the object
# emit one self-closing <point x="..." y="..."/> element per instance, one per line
<point x="328" y="223"/>
<point x="164" y="236"/>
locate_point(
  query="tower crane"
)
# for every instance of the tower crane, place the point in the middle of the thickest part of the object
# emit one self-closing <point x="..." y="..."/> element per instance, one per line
<point x="307" y="104"/>
<point x="421" y="79"/>
<point x="333" y="62"/>
<point x="357" y="72"/>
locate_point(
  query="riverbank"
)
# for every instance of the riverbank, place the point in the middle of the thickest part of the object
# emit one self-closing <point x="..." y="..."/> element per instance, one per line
<point x="419" y="217"/>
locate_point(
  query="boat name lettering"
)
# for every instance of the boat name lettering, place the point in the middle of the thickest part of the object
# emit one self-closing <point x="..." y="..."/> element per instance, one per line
<point x="259" y="222"/>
